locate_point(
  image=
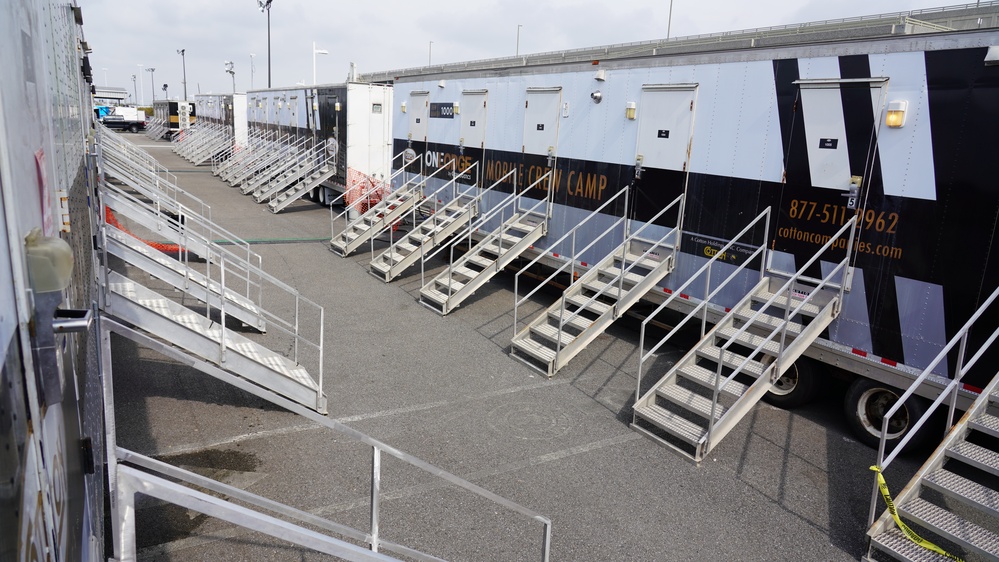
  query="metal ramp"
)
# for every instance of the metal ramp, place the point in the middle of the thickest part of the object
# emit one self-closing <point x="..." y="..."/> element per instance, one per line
<point x="600" y="295"/>
<point x="180" y="274"/>
<point x="706" y="393"/>
<point x="156" y="315"/>
<point x="319" y="168"/>
<point x="445" y="220"/>
<point x="953" y="500"/>
<point x="492" y="253"/>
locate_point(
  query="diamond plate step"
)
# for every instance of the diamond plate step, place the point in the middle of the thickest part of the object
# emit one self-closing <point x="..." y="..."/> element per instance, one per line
<point x="961" y="488"/>
<point x="957" y="529"/>
<point x="986" y="423"/>
<point x="671" y="423"/>
<point x="732" y="360"/>
<point x="706" y="378"/>
<point x="809" y="309"/>
<point x="897" y="545"/>
<point x="690" y="401"/>
<point x="975" y="455"/>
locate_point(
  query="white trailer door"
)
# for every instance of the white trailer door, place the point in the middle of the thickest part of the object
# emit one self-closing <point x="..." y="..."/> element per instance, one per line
<point x="666" y="125"/>
<point x="825" y="128"/>
<point x="541" y="121"/>
<point x="418" y="109"/>
<point x="473" y="118"/>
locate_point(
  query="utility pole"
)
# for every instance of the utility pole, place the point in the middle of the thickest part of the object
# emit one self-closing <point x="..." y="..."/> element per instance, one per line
<point x="430" y="54"/>
<point x="519" y="25"/>
<point x="252" y="68"/>
<point x="142" y="89"/>
<point x="315" y="52"/>
<point x="230" y="68"/>
<point x="135" y="93"/>
<point x="265" y="6"/>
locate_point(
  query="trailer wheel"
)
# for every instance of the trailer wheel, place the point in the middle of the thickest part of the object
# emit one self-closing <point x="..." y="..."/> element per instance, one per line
<point x="322" y="196"/>
<point x="133" y="128"/>
<point x="313" y="194"/>
<point x="798" y="386"/>
<point x="866" y="403"/>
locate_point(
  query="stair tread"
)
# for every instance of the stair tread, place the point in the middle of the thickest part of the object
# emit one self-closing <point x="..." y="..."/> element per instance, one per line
<point x="950" y="524"/>
<point x="745" y="313"/>
<point x="895" y="542"/>
<point x="578" y="322"/>
<point x="752" y="340"/>
<point x="957" y="486"/>
<point x="630" y="278"/>
<point x="763" y="295"/>
<point x="671" y="423"/>
<point x="647" y="262"/>
<point x="434" y="295"/>
<point x="976" y="455"/>
<point x="552" y="333"/>
<point x="690" y="401"/>
<point x="986" y="423"/>
<point x="706" y="378"/>
<point x="534" y="349"/>
<point x="594" y="306"/>
<point x="731" y="359"/>
<point x="480" y="260"/>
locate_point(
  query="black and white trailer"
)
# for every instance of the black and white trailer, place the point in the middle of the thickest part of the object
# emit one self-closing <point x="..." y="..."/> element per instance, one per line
<point x="886" y="123"/>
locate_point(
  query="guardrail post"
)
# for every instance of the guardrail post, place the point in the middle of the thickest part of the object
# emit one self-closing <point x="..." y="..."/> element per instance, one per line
<point x="376" y="485"/>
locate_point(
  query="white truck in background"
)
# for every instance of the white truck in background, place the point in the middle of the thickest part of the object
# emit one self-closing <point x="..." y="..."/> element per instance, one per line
<point x="121" y="117"/>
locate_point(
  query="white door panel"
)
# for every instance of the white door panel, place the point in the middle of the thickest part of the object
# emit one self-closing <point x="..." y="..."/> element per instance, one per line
<point x="541" y="120"/>
<point x="665" y="124"/>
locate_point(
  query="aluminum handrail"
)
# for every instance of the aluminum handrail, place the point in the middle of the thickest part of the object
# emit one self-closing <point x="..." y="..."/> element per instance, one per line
<point x="571" y="233"/>
<point x="313" y="161"/>
<point x="419" y="186"/>
<point x="959" y="339"/>
<point x="472" y="227"/>
<point x="781" y="329"/>
<point x="675" y="231"/>
<point x="266" y="157"/>
<point x="255" y="284"/>
<point x="356" y="203"/>
<point x="467" y="231"/>
<point x="708" y="295"/>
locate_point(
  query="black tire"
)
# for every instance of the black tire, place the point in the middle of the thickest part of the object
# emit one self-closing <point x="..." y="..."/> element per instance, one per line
<point x="798" y="386"/>
<point x="133" y="128"/>
<point x="866" y="403"/>
<point x="322" y="196"/>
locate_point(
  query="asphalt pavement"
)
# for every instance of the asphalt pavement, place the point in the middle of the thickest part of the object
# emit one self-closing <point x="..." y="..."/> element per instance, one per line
<point x="782" y="485"/>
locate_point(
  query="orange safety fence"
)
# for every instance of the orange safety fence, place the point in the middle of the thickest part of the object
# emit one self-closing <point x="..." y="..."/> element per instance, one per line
<point x="109" y="218"/>
<point x="366" y="191"/>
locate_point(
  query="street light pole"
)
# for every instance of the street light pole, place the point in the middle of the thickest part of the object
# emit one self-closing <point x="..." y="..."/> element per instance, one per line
<point x="135" y="93"/>
<point x="252" y="68"/>
<point x="230" y="68"/>
<point x="105" y="77"/>
<point x="183" y="62"/>
<point x="315" y="52"/>
<point x="152" y="81"/>
<point x="519" y="25"/>
<point x="669" y="21"/>
<point x="430" y="54"/>
<point x="265" y="6"/>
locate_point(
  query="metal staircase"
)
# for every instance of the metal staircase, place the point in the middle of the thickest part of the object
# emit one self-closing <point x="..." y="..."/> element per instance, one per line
<point x="600" y="295"/>
<point x="953" y="500"/>
<point x="706" y="393"/>
<point x="379" y="216"/>
<point x="492" y="253"/>
<point x="319" y="167"/>
<point x="445" y="219"/>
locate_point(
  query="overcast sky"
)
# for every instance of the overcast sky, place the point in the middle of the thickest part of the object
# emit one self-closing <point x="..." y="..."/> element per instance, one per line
<point x="392" y="34"/>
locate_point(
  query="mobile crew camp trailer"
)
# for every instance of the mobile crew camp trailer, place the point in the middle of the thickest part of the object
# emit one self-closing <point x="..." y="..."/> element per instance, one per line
<point x="892" y="126"/>
<point x="351" y="120"/>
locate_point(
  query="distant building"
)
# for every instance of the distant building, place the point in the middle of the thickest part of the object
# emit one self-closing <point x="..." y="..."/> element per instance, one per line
<point x="104" y="95"/>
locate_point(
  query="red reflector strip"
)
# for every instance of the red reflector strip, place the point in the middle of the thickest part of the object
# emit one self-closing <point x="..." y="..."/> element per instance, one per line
<point x="727" y="309"/>
<point x="683" y="296"/>
<point x="889" y="362"/>
<point x="554" y="254"/>
<point x="859" y="352"/>
<point x="530" y="247"/>
<point x="668" y="291"/>
<point x="582" y="263"/>
<point x="974" y="389"/>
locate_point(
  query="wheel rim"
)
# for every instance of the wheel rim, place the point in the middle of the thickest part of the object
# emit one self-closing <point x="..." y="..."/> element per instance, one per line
<point x="872" y="407"/>
<point x="786" y="383"/>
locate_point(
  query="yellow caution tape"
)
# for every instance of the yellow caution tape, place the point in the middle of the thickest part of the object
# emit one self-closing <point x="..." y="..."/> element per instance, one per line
<point x="909" y="533"/>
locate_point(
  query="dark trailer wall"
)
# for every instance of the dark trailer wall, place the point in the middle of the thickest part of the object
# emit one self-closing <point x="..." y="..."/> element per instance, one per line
<point x="177" y="115"/>
<point x="786" y="126"/>
<point x="297" y="111"/>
